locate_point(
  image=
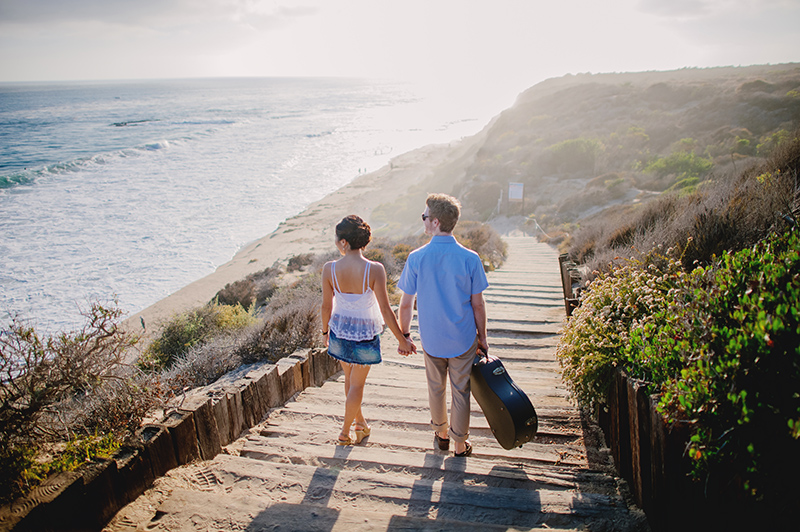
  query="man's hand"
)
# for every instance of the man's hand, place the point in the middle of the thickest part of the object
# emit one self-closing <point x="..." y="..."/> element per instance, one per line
<point x="406" y="347"/>
<point x="483" y="347"/>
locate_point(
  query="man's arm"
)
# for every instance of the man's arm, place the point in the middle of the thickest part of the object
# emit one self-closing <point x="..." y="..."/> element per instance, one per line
<point x="479" y="309"/>
<point x="406" y="311"/>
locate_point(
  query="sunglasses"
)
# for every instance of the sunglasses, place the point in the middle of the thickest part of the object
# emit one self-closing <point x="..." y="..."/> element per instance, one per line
<point x="425" y="217"/>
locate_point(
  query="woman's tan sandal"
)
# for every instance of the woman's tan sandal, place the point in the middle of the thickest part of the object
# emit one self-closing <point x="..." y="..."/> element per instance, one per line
<point x="362" y="433"/>
<point x="348" y="441"/>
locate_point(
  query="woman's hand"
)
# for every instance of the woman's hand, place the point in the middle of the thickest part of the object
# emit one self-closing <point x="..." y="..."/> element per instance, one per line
<point x="406" y="347"/>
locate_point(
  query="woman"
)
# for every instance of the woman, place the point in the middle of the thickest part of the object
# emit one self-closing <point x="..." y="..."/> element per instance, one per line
<point x="354" y="306"/>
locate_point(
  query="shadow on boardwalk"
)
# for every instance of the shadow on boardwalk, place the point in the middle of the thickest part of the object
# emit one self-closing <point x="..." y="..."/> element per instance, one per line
<point x="287" y="473"/>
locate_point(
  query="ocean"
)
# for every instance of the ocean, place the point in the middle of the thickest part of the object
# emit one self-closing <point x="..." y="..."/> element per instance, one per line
<point x="132" y="190"/>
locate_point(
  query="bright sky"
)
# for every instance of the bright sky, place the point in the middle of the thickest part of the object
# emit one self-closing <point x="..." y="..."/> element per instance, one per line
<point x="491" y="49"/>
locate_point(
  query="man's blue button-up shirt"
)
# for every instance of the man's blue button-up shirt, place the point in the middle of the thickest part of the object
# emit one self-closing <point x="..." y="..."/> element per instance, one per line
<point x="444" y="275"/>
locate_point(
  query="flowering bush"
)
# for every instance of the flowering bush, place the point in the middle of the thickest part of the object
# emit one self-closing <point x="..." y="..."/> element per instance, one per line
<point x="720" y="344"/>
<point x="741" y="386"/>
<point x="620" y="309"/>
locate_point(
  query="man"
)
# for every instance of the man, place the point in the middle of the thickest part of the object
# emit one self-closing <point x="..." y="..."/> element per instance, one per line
<point x="448" y="280"/>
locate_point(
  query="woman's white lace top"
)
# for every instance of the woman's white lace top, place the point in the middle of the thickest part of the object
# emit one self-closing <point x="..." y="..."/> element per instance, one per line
<point x="355" y="317"/>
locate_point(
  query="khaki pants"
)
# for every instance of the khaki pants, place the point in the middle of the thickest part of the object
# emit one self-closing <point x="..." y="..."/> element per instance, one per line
<point x="458" y="369"/>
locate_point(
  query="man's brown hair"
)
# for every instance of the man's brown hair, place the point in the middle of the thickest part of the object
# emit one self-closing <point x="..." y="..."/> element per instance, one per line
<point x="444" y="208"/>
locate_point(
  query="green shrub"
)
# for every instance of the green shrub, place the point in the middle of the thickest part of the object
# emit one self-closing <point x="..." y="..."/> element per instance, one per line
<point x="685" y="186"/>
<point x="682" y="164"/>
<point x="191" y="328"/>
<point x="772" y="141"/>
<point x="378" y="254"/>
<point x="743" y="147"/>
<point x="76" y="452"/>
<point x="618" y="308"/>
<point x="572" y="155"/>
<point x="741" y="385"/>
<point x="721" y="344"/>
<point x="233" y="317"/>
<point x="401" y="251"/>
<point x="16" y="463"/>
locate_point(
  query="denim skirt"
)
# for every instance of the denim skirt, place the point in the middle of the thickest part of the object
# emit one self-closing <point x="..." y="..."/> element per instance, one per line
<point x="365" y="353"/>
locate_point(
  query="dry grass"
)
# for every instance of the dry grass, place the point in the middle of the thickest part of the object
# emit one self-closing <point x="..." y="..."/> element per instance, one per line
<point x="255" y="289"/>
<point x="64" y="388"/>
<point x="297" y="262"/>
<point x="290" y="320"/>
<point x="40" y="376"/>
<point x="483" y="240"/>
<point x="727" y="214"/>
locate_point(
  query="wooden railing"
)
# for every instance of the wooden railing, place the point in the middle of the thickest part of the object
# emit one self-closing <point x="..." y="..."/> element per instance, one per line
<point x="651" y="455"/>
<point x="570" y="282"/>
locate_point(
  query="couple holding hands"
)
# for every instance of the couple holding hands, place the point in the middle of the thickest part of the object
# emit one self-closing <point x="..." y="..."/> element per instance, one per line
<point x="447" y="280"/>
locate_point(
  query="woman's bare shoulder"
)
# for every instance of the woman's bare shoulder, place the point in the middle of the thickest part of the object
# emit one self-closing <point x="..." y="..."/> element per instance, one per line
<point x="375" y="265"/>
<point x="326" y="268"/>
<point x="376" y="271"/>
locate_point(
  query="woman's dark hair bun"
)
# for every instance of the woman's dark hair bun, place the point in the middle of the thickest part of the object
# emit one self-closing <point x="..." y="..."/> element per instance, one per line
<point x="355" y="230"/>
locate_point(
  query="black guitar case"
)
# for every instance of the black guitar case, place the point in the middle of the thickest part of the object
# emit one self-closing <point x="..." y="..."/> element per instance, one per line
<point x="508" y="410"/>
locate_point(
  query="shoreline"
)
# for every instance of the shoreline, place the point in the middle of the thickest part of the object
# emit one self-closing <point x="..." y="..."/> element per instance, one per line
<point x="311" y="231"/>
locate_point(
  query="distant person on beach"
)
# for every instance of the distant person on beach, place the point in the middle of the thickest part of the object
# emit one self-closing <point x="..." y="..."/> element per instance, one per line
<point x="355" y="304"/>
<point x="448" y="281"/>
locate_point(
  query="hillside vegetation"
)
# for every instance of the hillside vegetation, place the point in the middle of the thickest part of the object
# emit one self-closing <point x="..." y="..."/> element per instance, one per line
<point x="581" y="143"/>
<point x="605" y="144"/>
<point x="711" y="324"/>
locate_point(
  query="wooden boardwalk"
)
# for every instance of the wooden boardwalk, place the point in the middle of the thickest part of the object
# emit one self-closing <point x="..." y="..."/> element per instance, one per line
<point x="287" y="473"/>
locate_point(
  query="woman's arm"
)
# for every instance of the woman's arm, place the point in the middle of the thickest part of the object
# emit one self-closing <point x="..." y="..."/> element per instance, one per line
<point x="377" y="281"/>
<point x="327" y="299"/>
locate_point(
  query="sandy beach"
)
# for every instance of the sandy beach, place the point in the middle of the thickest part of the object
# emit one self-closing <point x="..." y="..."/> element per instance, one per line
<point x="406" y="178"/>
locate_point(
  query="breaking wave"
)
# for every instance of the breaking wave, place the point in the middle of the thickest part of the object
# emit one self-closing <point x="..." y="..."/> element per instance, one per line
<point x="30" y="176"/>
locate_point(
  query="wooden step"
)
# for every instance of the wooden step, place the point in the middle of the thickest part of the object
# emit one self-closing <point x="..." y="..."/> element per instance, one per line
<point x="232" y="481"/>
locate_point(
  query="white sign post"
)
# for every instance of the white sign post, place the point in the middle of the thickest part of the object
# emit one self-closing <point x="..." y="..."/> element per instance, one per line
<point x="516" y="193"/>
